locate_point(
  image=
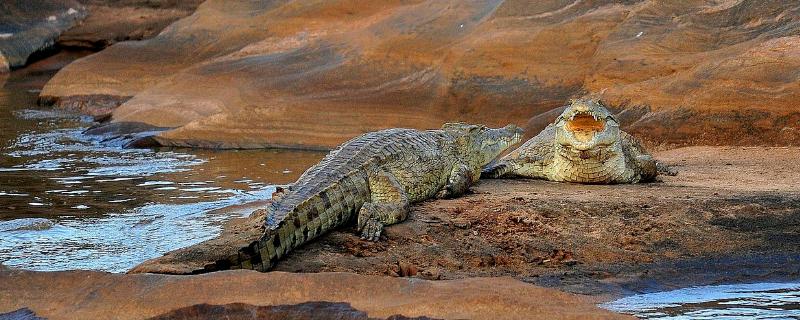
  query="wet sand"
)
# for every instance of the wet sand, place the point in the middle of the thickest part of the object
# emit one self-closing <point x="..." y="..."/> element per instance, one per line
<point x="730" y="215"/>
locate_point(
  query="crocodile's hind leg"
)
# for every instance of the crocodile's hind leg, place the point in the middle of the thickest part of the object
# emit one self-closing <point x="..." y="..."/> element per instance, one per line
<point x="389" y="205"/>
<point x="461" y="178"/>
<point x="646" y="167"/>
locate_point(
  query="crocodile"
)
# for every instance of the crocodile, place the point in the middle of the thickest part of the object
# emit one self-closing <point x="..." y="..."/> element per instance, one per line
<point x="372" y="179"/>
<point x="583" y="145"/>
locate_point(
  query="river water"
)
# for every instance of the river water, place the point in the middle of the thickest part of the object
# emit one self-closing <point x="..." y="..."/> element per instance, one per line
<point x="71" y="201"/>
<point x="738" y="301"/>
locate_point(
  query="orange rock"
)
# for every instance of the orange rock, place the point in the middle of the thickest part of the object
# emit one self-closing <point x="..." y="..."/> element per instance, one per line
<point x="4" y="67"/>
<point x="241" y="74"/>
<point x="98" y="295"/>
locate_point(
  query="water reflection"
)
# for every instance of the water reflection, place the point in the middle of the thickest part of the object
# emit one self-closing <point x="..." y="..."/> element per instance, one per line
<point x="71" y="201"/>
<point x="742" y="301"/>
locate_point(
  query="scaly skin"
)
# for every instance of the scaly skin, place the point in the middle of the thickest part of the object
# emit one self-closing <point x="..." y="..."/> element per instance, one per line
<point x="584" y="145"/>
<point x="374" y="178"/>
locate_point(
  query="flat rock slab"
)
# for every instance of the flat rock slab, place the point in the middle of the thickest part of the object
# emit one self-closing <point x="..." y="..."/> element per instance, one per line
<point x="731" y="214"/>
<point x="28" y="27"/>
<point x="311" y="74"/>
<point x="96" y="295"/>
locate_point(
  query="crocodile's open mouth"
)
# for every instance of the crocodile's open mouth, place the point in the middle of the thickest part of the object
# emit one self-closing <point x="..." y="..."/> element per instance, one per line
<point x="585" y="125"/>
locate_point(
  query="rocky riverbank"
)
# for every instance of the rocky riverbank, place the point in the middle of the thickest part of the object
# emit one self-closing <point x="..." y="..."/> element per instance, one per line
<point x="732" y="214"/>
<point x="31" y="30"/>
<point x="244" y="74"/>
<point x="247" y="295"/>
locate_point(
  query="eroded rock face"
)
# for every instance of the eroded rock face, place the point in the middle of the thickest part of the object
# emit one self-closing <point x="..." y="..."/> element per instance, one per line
<point x="112" y="21"/>
<point x="30" y="27"/>
<point x="312" y="74"/>
<point x="97" y="295"/>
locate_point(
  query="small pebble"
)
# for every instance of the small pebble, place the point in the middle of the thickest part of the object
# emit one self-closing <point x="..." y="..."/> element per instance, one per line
<point x="407" y="269"/>
<point x="462" y="224"/>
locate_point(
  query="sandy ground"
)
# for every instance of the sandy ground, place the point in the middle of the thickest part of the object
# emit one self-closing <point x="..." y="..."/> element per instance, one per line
<point x="731" y="214"/>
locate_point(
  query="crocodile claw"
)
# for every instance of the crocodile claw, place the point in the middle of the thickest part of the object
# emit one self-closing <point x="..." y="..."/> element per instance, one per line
<point x="372" y="230"/>
<point x="369" y="226"/>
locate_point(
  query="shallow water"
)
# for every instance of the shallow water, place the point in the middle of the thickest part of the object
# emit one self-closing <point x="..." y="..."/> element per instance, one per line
<point x="740" y="301"/>
<point x="71" y="201"/>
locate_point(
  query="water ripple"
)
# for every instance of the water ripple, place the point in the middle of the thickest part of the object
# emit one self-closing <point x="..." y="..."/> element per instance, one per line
<point x="739" y="301"/>
<point x="115" y="242"/>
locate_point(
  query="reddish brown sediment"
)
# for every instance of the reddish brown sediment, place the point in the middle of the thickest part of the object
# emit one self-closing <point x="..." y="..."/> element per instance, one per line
<point x="98" y="295"/>
<point x="731" y="212"/>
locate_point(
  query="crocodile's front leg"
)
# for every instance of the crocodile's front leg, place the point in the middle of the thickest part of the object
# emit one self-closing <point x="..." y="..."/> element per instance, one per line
<point x="498" y="169"/>
<point x="389" y="205"/>
<point x="647" y="168"/>
<point x="461" y="178"/>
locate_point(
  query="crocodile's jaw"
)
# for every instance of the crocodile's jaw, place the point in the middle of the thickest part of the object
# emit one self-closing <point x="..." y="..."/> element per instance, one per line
<point x="588" y="147"/>
<point x="480" y="145"/>
<point x="586" y="125"/>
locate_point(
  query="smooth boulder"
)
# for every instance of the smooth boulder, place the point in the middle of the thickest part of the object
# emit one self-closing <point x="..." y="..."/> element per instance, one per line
<point x="31" y="27"/>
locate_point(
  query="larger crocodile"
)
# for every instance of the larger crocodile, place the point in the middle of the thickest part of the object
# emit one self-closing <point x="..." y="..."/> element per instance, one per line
<point x="583" y="145"/>
<point x="373" y="178"/>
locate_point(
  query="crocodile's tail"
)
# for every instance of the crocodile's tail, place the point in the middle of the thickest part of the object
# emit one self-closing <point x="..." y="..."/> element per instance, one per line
<point x="251" y="256"/>
<point x="264" y="253"/>
<point x="317" y="215"/>
<point x="260" y="255"/>
<point x="496" y="170"/>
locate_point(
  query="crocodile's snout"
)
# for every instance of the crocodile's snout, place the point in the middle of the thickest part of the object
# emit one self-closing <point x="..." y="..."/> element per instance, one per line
<point x="514" y="128"/>
<point x="513" y="132"/>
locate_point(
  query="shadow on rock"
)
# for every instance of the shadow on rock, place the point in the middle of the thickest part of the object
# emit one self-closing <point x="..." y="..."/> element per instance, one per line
<point x="20" y="314"/>
<point x="302" y="311"/>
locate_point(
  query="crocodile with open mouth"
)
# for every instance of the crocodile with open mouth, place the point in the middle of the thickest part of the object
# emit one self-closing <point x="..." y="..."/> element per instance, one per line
<point x="372" y="180"/>
<point x="583" y="145"/>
